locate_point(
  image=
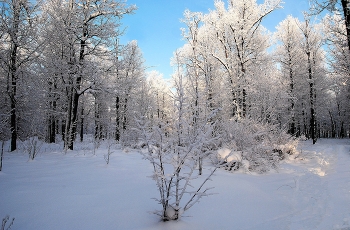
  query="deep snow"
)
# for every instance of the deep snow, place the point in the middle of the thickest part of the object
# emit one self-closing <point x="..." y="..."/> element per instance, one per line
<point x="77" y="190"/>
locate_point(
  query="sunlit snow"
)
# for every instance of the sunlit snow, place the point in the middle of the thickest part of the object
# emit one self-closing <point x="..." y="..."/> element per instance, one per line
<point x="78" y="190"/>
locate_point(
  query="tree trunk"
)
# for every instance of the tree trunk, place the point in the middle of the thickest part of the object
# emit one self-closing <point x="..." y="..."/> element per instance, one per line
<point x="52" y="129"/>
<point x="13" y="125"/>
<point x="75" y="114"/>
<point x="342" y="130"/>
<point x="71" y="127"/>
<point x="292" y="128"/>
<point x="82" y="124"/>
<point x="12" y="89"/>
<point x="2" y="154"/>
<point x="333" y="128"/>
<point x="244" y="104"/>
<point x="51" y="132"/>
<point x="117" y="118"/>
<point x="97" y="121"/>
<point x="311" y="98"/>
<point x="68" y="123"/>
<point x="346" y="10"/>
<point x="124" y="112"/>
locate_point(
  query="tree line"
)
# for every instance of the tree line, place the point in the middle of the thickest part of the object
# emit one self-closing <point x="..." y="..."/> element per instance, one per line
<point x="64" y="73"/>
<point x="295" y="78"/>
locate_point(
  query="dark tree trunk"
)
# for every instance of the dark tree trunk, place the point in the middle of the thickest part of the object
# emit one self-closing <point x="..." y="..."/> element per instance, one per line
<point x="244" y="104"/>
<point x="75" y="114"/>
<point x="117" y="118"/>
<point x="346" y="10"/>
<point x="2" y="154"/>
<point x="51" y="115"/>
<point x="68" y="123"/>
<point x="13" y="122"/>
<point x="63" y="131"/>
<point x="98" y="134"/>
<point x="124" y="112"/>
<point x="82" y="124"/>
<point x="305" y="130"/>
<point x="312" y="102"/>
<point x="12" y="88"/>
<point x="292" y="128"/>
<point x="52" y="129"/>
<point x="75" y="94"/>
<point x="342" y="130"/>
<point x="333" y="125"/>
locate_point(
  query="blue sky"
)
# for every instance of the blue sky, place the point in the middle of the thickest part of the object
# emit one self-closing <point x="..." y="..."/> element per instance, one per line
<point x="156" y="26"/>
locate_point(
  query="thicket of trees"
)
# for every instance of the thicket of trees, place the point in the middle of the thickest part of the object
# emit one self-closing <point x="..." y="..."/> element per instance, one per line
<point x="235" y="84"/>
<point x="64" y="73"/>
<point x="298" y="80"/>
<point x="59" y="60"/>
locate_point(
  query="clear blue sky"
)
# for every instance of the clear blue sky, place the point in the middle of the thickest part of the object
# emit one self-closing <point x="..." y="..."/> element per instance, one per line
<point x="156" y="26"/>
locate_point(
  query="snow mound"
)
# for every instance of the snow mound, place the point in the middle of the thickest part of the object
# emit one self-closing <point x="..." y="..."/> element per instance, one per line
<point x="231" y="159"/>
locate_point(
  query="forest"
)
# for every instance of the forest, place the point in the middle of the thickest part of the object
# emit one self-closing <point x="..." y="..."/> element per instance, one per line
<point x="65" y="77"/>
<point x="64" y="73"/>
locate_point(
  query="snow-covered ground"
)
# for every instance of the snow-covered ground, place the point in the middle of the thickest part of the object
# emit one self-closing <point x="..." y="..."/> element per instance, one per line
<point x="77" y="190"/>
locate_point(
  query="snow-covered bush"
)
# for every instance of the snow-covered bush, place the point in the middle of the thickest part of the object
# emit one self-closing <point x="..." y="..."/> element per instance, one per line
<point x="176" y="150"/>
<point x="258" y="147"/>
<point x="32" y="146"/>
<point x="110" y="143"/>
<point x="230" y="159"/>
<point x="175" y="160"/>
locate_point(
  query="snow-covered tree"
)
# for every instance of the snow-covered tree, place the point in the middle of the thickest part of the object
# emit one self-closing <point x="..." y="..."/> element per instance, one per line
<point x="241" y="43"/>
<point x="339" y="62"/>
<point x="84" y="29"/>
<point x="159" y="96"/>
<point x="302" y="63"/>
<point x="289" y="55"/>
<point x="335" y="6"/>
<point x="19" y="46"/>
<point x="128" y="77"/>
<point x="312" y="49"/>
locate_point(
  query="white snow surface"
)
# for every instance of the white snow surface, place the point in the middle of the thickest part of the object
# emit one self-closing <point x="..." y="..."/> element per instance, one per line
<point x="77" y="190"/>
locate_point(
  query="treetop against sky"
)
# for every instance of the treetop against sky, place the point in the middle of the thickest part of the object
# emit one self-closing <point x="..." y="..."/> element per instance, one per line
<point x="156" y="26"/>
